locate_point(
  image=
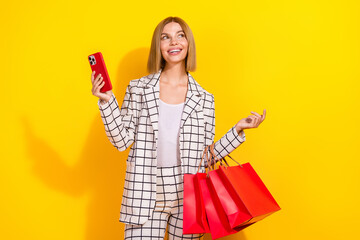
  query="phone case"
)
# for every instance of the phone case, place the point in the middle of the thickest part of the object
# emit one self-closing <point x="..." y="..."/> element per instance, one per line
<point x="97" y="64"/>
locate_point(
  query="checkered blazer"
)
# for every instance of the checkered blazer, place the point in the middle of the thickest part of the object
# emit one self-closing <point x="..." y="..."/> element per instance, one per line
<point x="136" y="122"/>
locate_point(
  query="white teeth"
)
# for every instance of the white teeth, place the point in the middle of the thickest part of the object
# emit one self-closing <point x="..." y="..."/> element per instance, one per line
<point x="176" y="50"/>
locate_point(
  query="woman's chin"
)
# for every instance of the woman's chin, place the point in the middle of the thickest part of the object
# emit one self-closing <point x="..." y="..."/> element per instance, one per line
<point x="173" y="61"/>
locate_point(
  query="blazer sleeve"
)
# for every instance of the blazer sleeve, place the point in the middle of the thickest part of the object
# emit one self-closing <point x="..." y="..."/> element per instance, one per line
<point x="120" y="124"/>
<point x="227" y="143"/>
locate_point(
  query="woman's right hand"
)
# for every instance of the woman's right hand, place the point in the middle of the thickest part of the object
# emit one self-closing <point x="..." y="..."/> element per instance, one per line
<point x="97" y="84"/>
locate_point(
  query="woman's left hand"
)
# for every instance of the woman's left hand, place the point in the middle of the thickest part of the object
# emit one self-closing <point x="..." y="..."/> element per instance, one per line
<point x="252" y="121"/>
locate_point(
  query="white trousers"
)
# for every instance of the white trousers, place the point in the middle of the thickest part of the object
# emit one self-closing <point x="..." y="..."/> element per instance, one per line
<point x="168" y="211"/>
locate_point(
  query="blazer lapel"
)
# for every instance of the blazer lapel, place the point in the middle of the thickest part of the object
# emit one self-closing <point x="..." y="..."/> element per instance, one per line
<point x="192" y="101"/>
<point x="152" y="96"/>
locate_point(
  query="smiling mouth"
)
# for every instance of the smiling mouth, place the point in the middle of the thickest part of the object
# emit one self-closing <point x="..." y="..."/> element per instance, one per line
<point x="174" y="51"/>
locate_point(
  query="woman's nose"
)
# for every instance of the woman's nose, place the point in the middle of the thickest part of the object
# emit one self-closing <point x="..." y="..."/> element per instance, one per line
<point x="173" y="41"/>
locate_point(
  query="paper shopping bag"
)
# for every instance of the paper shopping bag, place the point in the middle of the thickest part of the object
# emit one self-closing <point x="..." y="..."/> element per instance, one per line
<point x="235" y="210"/>
<point x="257" y="201"/>
<point x="194" y="218"/>
<point x="242" y="194"/>
<point x="218" y="223"/>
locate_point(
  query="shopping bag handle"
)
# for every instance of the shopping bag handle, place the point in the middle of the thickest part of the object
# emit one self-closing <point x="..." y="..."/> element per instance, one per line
<point x="223" y="159"/>
<point x="207" y="159"/>
<point x="232" y="159"/>
<point x="214" y="156"/>
<point x="210" y="167"/>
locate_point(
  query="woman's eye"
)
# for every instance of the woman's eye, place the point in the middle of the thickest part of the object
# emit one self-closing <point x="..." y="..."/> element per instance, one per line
<point x="181" y="35"/>
<point x="164" y="37"/>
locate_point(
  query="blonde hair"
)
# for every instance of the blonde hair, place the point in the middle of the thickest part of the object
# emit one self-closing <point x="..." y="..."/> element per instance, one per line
<point x="156" y="61"/>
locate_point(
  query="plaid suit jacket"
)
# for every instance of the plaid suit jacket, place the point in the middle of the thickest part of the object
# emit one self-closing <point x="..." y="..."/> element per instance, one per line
<point x="136" y="122"/>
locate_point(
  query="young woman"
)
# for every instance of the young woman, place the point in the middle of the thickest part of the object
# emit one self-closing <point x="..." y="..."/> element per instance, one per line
<point x="169" y="118"/>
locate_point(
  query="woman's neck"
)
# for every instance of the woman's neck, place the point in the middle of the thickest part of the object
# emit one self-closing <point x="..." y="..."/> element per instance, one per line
<point x="174" y="74"/>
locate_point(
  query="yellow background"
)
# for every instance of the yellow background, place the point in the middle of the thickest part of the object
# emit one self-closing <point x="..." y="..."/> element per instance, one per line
<point x="62" y="179"/>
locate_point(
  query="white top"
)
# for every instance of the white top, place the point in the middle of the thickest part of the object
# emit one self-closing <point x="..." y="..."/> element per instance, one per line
<point x="168" y="152"/>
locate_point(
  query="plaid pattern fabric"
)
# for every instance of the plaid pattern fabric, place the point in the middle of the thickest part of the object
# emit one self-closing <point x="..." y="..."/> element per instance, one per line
<point x="136" y="124"/>
<point x="168" y="209"/>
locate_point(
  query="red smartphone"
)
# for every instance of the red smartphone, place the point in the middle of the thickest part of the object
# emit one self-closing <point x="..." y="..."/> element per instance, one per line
<point x="97" y="64"/>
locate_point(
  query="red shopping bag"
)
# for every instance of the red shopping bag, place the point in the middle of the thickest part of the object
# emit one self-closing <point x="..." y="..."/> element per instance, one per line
<point x="251" y="190"/>
<point x="242" y="194"/>
<point x="194" y="218"/>
<point x="218" y="223"/>
<point x="235" y="210"/>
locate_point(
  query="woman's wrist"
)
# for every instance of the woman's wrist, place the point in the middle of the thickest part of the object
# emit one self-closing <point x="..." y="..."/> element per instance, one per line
<point x="104" y="101"/>
<point x="238" y="129"/>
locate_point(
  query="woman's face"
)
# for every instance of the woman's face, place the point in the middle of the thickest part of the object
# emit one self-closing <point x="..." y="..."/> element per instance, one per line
<point x="173" y="43"/>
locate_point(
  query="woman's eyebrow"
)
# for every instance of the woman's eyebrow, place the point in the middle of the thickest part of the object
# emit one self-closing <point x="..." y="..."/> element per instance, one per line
<point x="176" y="32"/>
